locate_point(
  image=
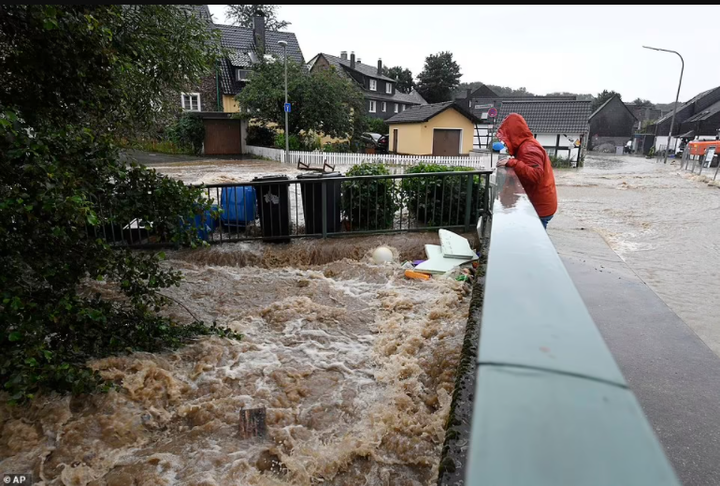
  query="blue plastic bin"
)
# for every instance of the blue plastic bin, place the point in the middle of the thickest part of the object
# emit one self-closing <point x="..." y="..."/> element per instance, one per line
<point x="498" y="146"/>
<point x="205" y="228"/>
<point x="238" y="205"/>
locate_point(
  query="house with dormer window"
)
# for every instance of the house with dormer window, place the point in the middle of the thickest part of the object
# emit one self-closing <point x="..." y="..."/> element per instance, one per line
<point x="382" y="99"/>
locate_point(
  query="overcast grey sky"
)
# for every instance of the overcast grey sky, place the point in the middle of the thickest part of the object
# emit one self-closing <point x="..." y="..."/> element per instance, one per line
<point x="582" y="49"/>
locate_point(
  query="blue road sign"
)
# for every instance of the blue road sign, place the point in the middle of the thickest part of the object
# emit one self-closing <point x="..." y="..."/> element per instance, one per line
<point x="287" y="107"/>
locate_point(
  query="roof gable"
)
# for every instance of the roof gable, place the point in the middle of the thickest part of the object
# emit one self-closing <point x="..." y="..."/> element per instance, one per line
<point x="607" y="103"/>
<point x="550" y="116"/>
<point x="364" y="69"/>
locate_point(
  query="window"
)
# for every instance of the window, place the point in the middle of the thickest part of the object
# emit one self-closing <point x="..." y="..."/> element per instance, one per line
<point x="190" y="101"/>
<point x="243" y="74"/>
<point x="388" y="88"/>
<point x="404" y="107"/>
<point x="396" y="107"/>
<point x="373" y="85"/>
<point x="384" y="107"/>
<point x="372" y="106"/>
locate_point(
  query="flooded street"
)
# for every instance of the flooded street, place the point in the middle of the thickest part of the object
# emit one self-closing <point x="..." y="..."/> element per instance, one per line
<point x="354" y="364"/>
<point x="665" y="224"/>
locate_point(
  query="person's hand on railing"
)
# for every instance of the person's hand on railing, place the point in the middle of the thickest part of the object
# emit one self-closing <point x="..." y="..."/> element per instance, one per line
<point x="503" y="162"/>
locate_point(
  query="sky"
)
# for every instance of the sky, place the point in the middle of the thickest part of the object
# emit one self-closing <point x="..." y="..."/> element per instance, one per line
<point x="579" y="49"/>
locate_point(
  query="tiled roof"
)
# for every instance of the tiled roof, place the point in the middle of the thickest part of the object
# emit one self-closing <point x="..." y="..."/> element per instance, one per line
<point x="359" y="67"/>
<point x="705" y="114"/>
<point x="544" y="116"/>
<point x="240" y="43"/>
<point x="418" y="97"/>
<point x="422" y="113"/>
<point x="684" y="106"/>
<point x="396" y="97"/>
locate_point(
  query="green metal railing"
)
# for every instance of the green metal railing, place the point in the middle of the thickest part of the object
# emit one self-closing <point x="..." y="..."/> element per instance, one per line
<point x="551" y="406"/>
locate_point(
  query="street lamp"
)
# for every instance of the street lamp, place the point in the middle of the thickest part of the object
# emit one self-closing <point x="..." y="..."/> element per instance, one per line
<point x="287" y="133"/>
<point x="672" y="121"/>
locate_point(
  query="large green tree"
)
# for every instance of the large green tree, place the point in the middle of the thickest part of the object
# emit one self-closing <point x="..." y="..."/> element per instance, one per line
<point x="72" y="77"/>
<point x="242" y="15"/>
<point x="403" y="76"/>
<point x="602" y="98"/>
<point x="439" y="78"/>
<point x="321" y="100"/>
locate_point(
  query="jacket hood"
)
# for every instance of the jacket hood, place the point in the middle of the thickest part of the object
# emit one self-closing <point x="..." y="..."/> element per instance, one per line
<point x="513" y="132"/>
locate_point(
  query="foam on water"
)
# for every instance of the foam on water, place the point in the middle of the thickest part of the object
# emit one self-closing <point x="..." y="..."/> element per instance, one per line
<point x="354" y="364"/>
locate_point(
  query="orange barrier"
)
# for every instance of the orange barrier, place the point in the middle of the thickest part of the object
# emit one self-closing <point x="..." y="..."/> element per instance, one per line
<point x="699" y="148"/>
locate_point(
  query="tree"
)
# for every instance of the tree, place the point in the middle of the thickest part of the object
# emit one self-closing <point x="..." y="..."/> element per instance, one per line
<point x="71" y="78"/>
<point x="242" y="15"/>
<point x="507" y="91"/>
<point x="439" y="78"/>
<point x="404" y="78"/>
<point x="602" y="98"/>
<point x="321" y="101"/>
<point x="641" y="103"/>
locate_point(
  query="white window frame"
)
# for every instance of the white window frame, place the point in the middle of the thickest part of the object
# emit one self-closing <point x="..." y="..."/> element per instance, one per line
<point x="384" y="107"/>
<point x="182" y="101"/>
<point x="237" y="75"/>
<point x="373" y="107"/>
<point x="396" y="108"/>
<point x="373" y="85"/>
<point x="388" y="88"/>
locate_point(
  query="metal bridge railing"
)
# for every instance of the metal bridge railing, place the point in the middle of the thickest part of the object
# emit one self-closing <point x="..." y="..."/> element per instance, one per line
<point x="551" y="406"/>
<point x="326" y="205"/>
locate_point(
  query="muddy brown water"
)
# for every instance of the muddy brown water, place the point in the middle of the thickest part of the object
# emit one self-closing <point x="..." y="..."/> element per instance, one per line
<point x="353" y="363"/>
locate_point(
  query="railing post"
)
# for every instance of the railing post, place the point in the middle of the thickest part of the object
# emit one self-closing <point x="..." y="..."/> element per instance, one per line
<point x="324" y="207"/>
<point x="468" y="202"/>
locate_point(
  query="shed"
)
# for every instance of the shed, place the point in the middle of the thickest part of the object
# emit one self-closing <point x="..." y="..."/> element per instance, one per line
<point x="442" y="129"/>
<point x="561" y="126"/>
<point x="224" y="133"/>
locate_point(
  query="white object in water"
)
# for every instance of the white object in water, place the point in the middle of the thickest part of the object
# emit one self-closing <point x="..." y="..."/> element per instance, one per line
<point x="382" y="254"/>
<point x="454" y="245"/>
<point x="437" y="263"/>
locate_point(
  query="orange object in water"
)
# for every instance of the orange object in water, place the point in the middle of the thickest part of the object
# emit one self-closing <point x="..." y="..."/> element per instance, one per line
<point x="417" y="275"/>
<point x="699" y="148"/>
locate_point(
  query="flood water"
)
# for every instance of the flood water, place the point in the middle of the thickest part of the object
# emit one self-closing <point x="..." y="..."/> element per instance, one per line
<point x="663" y="221"/>
<point x="353" y="363"/>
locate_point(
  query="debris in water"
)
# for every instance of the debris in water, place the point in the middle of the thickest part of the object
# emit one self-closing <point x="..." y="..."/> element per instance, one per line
<point x="416" y="275"/>
<point x="382" y="254"/>
<point x="454" y="245"/>
<point x="252" y="423"/>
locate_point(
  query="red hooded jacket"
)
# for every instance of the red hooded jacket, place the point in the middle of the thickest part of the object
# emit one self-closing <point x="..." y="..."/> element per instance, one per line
<point x="531" y="164"/>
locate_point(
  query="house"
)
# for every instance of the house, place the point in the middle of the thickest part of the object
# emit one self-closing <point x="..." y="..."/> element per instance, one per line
<point x="561" y="126"/>
<point x="611" y="125"/>
<point x="382" y="99"/>
<point x="696" y="118"/>
<point x="246" y="48"/>
<point x="643" y="114"/>
<point x="437" y="129"/>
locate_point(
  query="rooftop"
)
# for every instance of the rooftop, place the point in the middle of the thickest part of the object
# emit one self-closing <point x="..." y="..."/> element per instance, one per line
<point x="422" y="113"/>
<point x="550" y="116"/>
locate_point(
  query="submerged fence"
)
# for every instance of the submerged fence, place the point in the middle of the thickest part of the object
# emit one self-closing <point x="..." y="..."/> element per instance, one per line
<point x="278" y="209"/>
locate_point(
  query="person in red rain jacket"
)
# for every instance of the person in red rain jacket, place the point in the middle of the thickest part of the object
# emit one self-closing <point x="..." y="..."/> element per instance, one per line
<point x="531" y="164"/>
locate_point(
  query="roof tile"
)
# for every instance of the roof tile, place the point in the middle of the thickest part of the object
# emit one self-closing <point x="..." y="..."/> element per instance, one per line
<point x="549" y="116"/>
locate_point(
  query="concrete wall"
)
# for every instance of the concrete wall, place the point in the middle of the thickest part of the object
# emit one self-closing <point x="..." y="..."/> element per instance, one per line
<point x="417" y="138"/>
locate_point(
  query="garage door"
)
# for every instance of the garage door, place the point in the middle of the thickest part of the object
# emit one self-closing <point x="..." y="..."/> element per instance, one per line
<point x="222" y="137"/>
<point x="446" y="142"/>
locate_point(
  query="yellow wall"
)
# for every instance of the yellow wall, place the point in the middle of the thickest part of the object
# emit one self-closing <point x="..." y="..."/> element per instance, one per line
<point x="229" y="104"/>
<point x="417" y="138"/>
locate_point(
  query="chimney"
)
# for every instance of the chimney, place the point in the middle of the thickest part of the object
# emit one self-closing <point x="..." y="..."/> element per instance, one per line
<point x="379" y="67"/>
<point x="352" y="60"/>
<point x="343" y="55"/>
<point x="469" y="92"/>
<point x="359" y="61"/>
<point x="259" y="32"/>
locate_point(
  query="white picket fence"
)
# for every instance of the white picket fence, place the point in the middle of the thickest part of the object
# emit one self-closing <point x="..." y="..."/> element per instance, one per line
<point x="478" y="161"/>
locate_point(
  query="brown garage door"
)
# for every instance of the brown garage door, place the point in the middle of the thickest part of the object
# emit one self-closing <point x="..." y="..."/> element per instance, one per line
<point x="222" y="137"/>
<point x="446" y="142"/>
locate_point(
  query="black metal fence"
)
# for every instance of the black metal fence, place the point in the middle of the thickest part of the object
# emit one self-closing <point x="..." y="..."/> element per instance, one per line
<point x="276" y="208"/>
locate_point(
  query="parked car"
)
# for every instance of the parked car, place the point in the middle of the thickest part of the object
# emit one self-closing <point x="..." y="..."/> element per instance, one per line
<point x="370" y="138"/>
<point x="383" y="143"/>
<point x="376" y="141"/>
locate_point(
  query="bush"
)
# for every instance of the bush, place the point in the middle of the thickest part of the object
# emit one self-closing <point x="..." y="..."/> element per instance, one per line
<point x="369" y="204"/>
<point x="558" y="162"/>
<point x="188" y="131"/>
<point x="295" y="142"/>
<point x="441" y="201"/>
<point x="377" y="125"/>
<point x="338" y="147"/>
<point x="311" y="142"/>
<point x="260" y="136"/>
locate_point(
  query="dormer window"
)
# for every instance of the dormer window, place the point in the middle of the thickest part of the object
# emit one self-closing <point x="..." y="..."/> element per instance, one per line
<point x="243" y="74"/>
<point x="373" y="85"/>
<point x="388" y="88"/>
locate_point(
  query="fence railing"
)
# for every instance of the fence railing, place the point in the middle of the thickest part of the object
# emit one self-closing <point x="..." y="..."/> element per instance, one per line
<point x="479" y="161"/>
<point x="551" y="405"/>
<point x="323" y="205"/>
